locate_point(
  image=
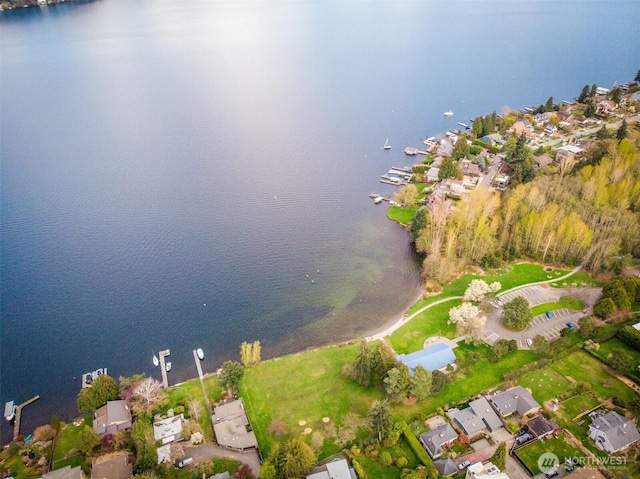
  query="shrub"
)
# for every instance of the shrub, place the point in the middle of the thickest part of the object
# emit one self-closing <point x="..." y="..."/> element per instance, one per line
<point x="629" y="336"/>
<point x="360" y="472"/>
<point x="414" y="444"/>
<point x="604" y="308"/>
<point x="385" y="458"/>
<point x="401" y="462"/>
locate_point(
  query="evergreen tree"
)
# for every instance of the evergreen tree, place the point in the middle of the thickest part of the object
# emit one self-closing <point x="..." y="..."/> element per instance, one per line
<point x="637" y="77"/>
<point x="231" y="374"/>
<point x="602" y="133"/>
<point x="590" y="110"/>
<point x="477" y="127"/>
<point x="616" y="95"/>
<point x="420" y="383"/>
<point x="396" y="384"/>
<point x="382" y="360"/>
<point x="584" y="94"/>
<point x="621" y="134"/>
<point x="380" y="418"/>
<point x="461" y="149"/>
<point x="517" y="314"/>
<point x="418" y="222"/>
<point x="594" y="89"/>
<point x="362" y="368"/>
<point x="104" y="388"/>
<point x="449" y="168"/>
<point x="548" y="106"/>
<point x="488" y="125"/>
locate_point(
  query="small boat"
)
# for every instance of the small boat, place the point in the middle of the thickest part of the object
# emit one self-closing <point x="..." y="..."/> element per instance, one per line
<point x="10" y="410"/>
<point x="167" y="366"/>
<point x="200" y="353"/>
<point x="387" y="146"/>
<point x="448" y="113"/>
<point x="155" y="359"/>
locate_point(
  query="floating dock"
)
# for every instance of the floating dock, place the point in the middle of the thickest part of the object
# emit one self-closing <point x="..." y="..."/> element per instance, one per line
<point x="88" y="378"/>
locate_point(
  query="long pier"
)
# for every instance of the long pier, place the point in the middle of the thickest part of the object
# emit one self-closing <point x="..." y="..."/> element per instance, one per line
<point x="163" y="354"/>
<point x="16" y="426"/>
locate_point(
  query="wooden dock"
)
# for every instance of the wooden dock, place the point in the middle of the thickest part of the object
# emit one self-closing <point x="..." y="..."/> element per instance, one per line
<point x="165" y="380"/>
<point x="409" y="150"/>
<point x="204" y="391"/>
<point x="16" y="426"/>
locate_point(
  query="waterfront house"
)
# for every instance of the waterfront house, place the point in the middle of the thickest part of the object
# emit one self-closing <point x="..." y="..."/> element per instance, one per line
<point x="112" y="466"/>
<point x="517" y="400"/>
<point x="612" y="432"/>
<point x="551" y="129"/>
<point x="432" y="174"/>
<point x="568" y="152"/>
<point x="232" y="428"/>
<point x="435" y="440"/>
<point x="494" y="139"/>
<point x="476" y="418"/>
<point x="469" y="168"/>
<point x="66" y="472"/>
<point x="112" y="417"/>
<point x="431" y="358"/>
<point x="541" y="119"/>
<point x="543" y="161"/>
<point x="337" y="469"/>
<point x="169" y="429"/>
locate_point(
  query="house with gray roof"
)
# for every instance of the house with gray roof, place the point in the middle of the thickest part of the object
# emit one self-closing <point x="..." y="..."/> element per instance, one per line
<point x="613" y="432"/>
<point x="478" y="417"/>
<point x="112" y="417"/>
<point x="66" y="472"/>
<point x="433" y="441"/>
<point x="112" y="466"/>
<point x="232" y="427"/>
<point x="338" y="469"/>
<point x="516" y="399"/>
<point x="446" y="467"/>
<point x="431" y="358"/>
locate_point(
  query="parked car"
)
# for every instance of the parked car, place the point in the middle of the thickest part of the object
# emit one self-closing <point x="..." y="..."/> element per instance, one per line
<point x="463" y="465"/>
<point x="551" y="473"/>
<point x="180" y="463"/>
<point x="529" y="342"/>
<point x="570" y="325"/>
<point x="524" y="438"/>
<point x="548" y="314"/>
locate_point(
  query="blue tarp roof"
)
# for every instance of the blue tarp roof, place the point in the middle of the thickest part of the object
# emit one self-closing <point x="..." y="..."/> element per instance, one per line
<point x="431" y="358"/>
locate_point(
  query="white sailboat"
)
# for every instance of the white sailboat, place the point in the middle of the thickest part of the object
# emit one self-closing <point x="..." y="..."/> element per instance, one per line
<point x="448" y="113"/>
<point x="156" y="361"/>
<point x="387" y="146"/>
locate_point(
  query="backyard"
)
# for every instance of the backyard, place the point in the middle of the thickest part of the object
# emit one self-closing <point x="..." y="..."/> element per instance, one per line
<point x="557" y="445"/>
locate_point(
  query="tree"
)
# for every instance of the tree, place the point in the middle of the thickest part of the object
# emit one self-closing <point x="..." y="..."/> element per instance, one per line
<point x="590" y="109"/>
<point x="141" y="432"/>
<point x="517" y="314"/>
<point x="250" y="353"/>
<point x="602" y="133"/>
<point x="406" y="196"/>
<point x="594" y="90"/>
<point x="468" y="321"/>
<point x="396" y="384"/>
<point x="616" y="95"/>
<point x="88" y="439"/>
<point x="104" y="388"/>
<point x="604" y="308"/>
<point x="449" y="168"/>
<point x="293" y="459"/>
<point x="243" y="472"/>
<point x="540" y="344"/>
<point x="461" y="148"/>
<point x="420" y="383"/>
<point x="621" y="361"/>
<point x="637" y="77"/>
<point x="499" y="457"/>
<point x="418" y="222"/>
<point x="438" y="381"/>
<point x="382" y="360"/>
<point x="584" y="94"/>
<point x="621" y="134"/>
<point x="477" y="127"/>
<point x="478" y="289"/>
<point x="362" y="368"/>
<point x="587" y="327"/>
<point x="380" y="418"/>
<point x="548" y="106"/>
<point x="146" y="460"/>
<point x="147" y="395"/>
<point x="520" y="158"/>
<point x="502" y="347"/>
<point x="230" y="375"/>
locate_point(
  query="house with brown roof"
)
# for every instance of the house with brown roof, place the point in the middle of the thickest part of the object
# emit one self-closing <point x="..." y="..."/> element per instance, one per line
<point x="66" y="472"/>
<point x="112" y="466"/>
<point x="112" y="417"/>
<point x="232" y="428"/>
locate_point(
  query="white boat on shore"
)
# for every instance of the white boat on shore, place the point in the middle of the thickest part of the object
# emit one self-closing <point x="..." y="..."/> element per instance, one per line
<point x="448" y="113"/>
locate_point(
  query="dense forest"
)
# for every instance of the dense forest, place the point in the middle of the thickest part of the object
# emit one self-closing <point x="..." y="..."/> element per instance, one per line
<point x="585" y="213"/>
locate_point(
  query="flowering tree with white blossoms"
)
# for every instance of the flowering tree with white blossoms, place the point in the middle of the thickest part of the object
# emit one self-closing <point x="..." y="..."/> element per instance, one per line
<point x="468" y="321"/>
<point x="478" y="289"/>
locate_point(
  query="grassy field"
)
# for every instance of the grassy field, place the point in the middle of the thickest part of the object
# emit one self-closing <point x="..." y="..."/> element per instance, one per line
<point x="304" y="387"/>
<point x="401" y="215"/>
<point x="578" y="405"/>
<point x="593" y="373"/>
<point x="432" y="322"/>
<point x="69" y="437"/>
<point x="531" y="452"/>
<point x="614" y="344"/>
<point x="545" y="384"/>
<point x="578" y="279"/>
<point x="568" y="302"/>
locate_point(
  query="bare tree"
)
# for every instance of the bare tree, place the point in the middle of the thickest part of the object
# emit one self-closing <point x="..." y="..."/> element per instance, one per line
<point x="147" y="395"/>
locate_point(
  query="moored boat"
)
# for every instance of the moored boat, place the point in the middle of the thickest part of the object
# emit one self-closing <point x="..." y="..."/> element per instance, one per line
<point x="156" y="361"/>
<point x="448" y="113"/>
<point x="167" y="366"/>
<point x="10" y="410"/>
<point x="200" y="353"/>
<point x="387" y="146"/>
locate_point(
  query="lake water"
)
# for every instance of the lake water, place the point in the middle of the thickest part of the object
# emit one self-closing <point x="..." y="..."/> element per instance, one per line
<point x="183" y="174"/>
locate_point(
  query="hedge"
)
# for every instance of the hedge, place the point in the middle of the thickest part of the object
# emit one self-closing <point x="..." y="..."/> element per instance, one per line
<point x="360" y="472"/>
<point x="415" y="445"/>
<point x="629" y="336"/>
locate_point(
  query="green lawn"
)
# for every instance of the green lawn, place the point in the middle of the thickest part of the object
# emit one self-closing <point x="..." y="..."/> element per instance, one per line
<point x="568" y="302"/>
<point x="531" y="452"/>
<point x="545" y="384"/>
<point x="69" y="437"/>
<point x="401" y="215"/>
<point x="432" y="322"/>
<point x="304" y="387"/>
<point x="577" y="405"/>
<point x="585" y="368"/>
<point x="614" y="344"/>
<point x="376" y="470"/>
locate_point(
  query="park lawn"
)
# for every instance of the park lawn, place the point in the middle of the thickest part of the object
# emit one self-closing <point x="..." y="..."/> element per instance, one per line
<point x="193" y="390"/>
<point x="580" y="278"/>
<point x="401" y="215"/>
<point x="544" y="384"/>
<point x="484" y="375"/>
<point x="307" y="386"/>
<point x="568" y="302"/>
<point x="577" y="405"/>
<point x="584" y="368"/>
<point x="70" y="438"/>
<point x="531" y="452"/>
<point x="515" y="275"/>
<point x="432" y="322"/>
